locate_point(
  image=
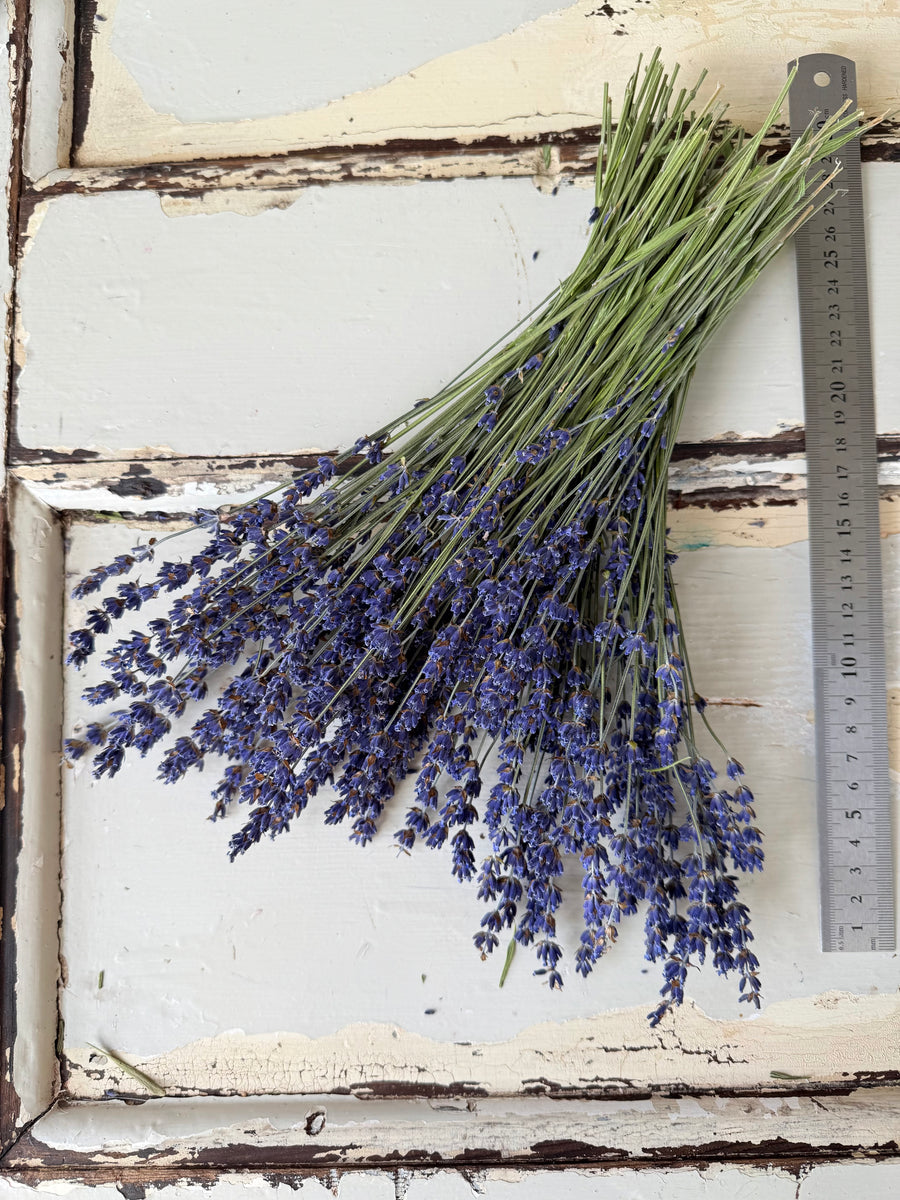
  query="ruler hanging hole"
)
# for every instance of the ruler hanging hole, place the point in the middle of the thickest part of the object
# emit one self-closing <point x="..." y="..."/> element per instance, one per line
<point x="821" y="79"/>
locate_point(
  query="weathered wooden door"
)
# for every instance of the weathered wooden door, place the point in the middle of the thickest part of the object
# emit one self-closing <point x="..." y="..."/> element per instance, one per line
<point x="244" y="233"/>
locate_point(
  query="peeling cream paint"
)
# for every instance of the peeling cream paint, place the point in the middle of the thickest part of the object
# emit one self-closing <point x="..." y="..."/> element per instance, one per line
<point x="19" y="341"/>
<point x="32" y="225"/>
<point x="292" y="171"/>
<point x="763" y="525"/>
<point x="171" y="1132"/>
<point x="820" y="1038"/>
<point x="546" y="75"/>
<point x="247" y="203"/>
<point x="304" y="58"/>
<point x="178" y="495"/>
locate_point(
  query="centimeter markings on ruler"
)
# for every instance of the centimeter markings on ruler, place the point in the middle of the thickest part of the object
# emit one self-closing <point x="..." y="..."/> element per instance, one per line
<point x="856" y="865"/>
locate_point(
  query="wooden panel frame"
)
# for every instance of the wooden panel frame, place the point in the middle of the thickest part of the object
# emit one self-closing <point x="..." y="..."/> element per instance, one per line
<point x="47" y="1135"/>
<point x="788" y="1124"/>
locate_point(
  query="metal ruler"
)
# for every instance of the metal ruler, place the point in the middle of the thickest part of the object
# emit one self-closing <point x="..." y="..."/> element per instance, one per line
<point x="856" y="871"/>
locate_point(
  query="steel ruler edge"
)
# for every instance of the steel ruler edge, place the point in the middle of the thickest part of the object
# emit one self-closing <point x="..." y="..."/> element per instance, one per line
<point x="853" y="783"/>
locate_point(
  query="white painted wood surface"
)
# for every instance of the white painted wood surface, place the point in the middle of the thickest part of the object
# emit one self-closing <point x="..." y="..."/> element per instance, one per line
<point x="38" y="565"/>
<point x="200" y="70"/>
<point x="144" y="333"/>
<point x="48" y="129"/>
<point x="176" y="81"/>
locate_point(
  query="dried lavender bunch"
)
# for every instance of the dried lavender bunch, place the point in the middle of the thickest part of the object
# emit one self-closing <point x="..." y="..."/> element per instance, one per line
<point x="486" y="580"/>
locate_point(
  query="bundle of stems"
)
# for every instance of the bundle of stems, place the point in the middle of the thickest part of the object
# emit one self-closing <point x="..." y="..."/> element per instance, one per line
<point x="479" y="594"/>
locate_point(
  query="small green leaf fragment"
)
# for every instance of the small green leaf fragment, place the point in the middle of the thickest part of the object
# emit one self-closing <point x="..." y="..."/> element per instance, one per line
<point x="546" y="153"/>
<point x="784" y="1075"/>
<point x="424" y="977"/>
<point x="510" y="955"/>
<point x="144" y="1080"/>
<point x="100" y="980"/>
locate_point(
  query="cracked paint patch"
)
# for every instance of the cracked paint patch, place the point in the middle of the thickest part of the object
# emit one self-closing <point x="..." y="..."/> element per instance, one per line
<point x="246" y="203"/>
<point x="810" y="1037"/>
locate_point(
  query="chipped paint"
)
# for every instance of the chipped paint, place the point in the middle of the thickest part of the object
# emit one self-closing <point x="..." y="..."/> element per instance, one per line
<point x="674" y="1130"/>
<point x="19" y="341"/>
<point x="779" y="524"/>
<point x="573" y="160"/>
<point x="37" y="566"/>
<point x="248" y="202"/>
<point x="818" y="1038"/>
<point x="745" y="1178"/>
<point x="34" y="220"/>
<point x="544" y="76"/>
<point x="200" y="70"/>
<point x="717" y="500"/>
